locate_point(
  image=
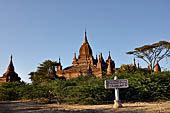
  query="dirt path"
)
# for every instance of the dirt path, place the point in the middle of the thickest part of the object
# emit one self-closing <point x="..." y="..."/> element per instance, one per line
<point x="30" y="107"/>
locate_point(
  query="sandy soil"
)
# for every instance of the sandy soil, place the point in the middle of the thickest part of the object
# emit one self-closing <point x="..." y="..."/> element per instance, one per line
<point x="30" y="107"/>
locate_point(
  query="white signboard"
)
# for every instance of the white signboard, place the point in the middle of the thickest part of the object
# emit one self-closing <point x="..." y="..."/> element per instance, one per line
<point x="120" y="83"/>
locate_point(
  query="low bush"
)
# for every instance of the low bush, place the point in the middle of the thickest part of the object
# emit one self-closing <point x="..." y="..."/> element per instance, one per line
<point x="90" y="90"/>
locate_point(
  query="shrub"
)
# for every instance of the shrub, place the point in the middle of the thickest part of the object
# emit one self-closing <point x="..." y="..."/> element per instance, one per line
<point x="90" y="90"/>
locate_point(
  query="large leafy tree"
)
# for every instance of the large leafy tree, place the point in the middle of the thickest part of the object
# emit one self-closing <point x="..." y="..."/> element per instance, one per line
<point x="45" y="72"/>
<point x="152" y="53"/>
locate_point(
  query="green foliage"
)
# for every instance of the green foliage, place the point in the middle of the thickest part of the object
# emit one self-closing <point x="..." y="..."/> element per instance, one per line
<point x="128" y="68"/>
<point x="148" y="87"/>
<point x="45" y="72"/>
<point x="90" y="90"/>
<point x="17" y="91"/>
<point x="9" y="91"/>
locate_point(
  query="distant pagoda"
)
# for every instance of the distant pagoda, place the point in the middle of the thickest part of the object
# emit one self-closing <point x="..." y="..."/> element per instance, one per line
<point x="10" y="75"/>
<point x="157" y="68"/>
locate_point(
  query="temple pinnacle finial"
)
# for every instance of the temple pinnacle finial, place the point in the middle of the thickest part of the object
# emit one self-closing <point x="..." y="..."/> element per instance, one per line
<point x="59" y="67"/>
<point x="10" y="66"/>
<point x="134" y="62"/>
<point x="75" y="59"/>
<point x="109" y="57"/>
<point x="85" y="38"/>
<point x="59" y="60"/>
<point x="11" y="56"/>
<point x="11" y="60"/>
<point x="138" y="65"/>
<point x="96" y="57"/>
<point x="156" y="61"/>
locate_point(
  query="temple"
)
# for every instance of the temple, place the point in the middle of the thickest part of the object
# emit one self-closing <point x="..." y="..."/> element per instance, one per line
<point x="86" y="64"/>
<point x="10" y="75"/>
<point x="157" y="68"/>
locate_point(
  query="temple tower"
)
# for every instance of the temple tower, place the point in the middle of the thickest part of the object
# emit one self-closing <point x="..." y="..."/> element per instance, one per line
<point x="86" y="65"/>
<point x="74" y="63"/>
<point x="157" y="68"/>
<point x="85" y="53"/>
<point x="99" y="63"/>
<point x="112" y="63"/>
<point x="10" y="74"/>
<point x="138" y="65"/>
<point x="59" y="67"/>
<point x="101" y="58"/>
<point x="134" y="62"/>
<point x="109" y="68"/>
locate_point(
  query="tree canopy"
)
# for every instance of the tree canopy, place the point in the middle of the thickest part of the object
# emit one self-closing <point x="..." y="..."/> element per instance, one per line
<point x="152" y="53"/>
<point x="45" y="72"/>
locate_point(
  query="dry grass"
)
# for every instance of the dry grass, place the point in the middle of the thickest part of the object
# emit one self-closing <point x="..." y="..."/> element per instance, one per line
<point x="30" y="107"/>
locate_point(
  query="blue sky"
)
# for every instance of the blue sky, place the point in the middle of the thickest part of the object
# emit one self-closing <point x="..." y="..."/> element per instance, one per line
<point x="37" y="30"/>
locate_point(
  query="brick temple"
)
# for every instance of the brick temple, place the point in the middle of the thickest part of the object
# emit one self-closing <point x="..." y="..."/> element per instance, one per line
<point x="86" y="64"/>
<point x="10" y="75"/>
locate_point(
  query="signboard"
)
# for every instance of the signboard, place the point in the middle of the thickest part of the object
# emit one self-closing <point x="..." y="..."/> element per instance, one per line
<point x="120" y="83"/>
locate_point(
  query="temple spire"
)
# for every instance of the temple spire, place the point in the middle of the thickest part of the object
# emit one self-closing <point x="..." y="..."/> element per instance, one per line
<point x="134" y="62"/>
<point x="109" y="57"/>
<point x="85" y="38"/>
<point x="10" y="75"/>
<point x="59" y="60"/>
<point x="109" y="68"/>
<point x="59" y="67"/>
<point x="11" y="60"/>
<point x="96" y="58"/>
<point x="11" y="56"/>
<point x="138" y="65"/>
<point x="75" y="56"/>
<point x="11" y="66"/>
<point x="157" y="68"/>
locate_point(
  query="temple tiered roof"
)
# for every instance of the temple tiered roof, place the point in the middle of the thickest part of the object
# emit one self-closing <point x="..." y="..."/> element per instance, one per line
<point x="86" y="65"/>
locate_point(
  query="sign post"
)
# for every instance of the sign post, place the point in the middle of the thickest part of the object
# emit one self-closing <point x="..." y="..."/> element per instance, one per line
<point x="116" y="83"/>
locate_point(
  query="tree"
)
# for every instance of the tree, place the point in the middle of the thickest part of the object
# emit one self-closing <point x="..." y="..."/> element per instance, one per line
<point x="45" y="72"/>
<point x="128" y="68"/>
<point x="152" y="53"/>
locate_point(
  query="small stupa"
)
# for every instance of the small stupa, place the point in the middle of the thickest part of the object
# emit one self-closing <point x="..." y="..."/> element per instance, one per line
<point x="10" y="75"/>
<point x="157" y="68"/>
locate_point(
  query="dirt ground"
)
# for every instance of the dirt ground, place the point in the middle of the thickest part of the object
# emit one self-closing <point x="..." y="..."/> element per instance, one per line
<point x="30" y="107"/>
